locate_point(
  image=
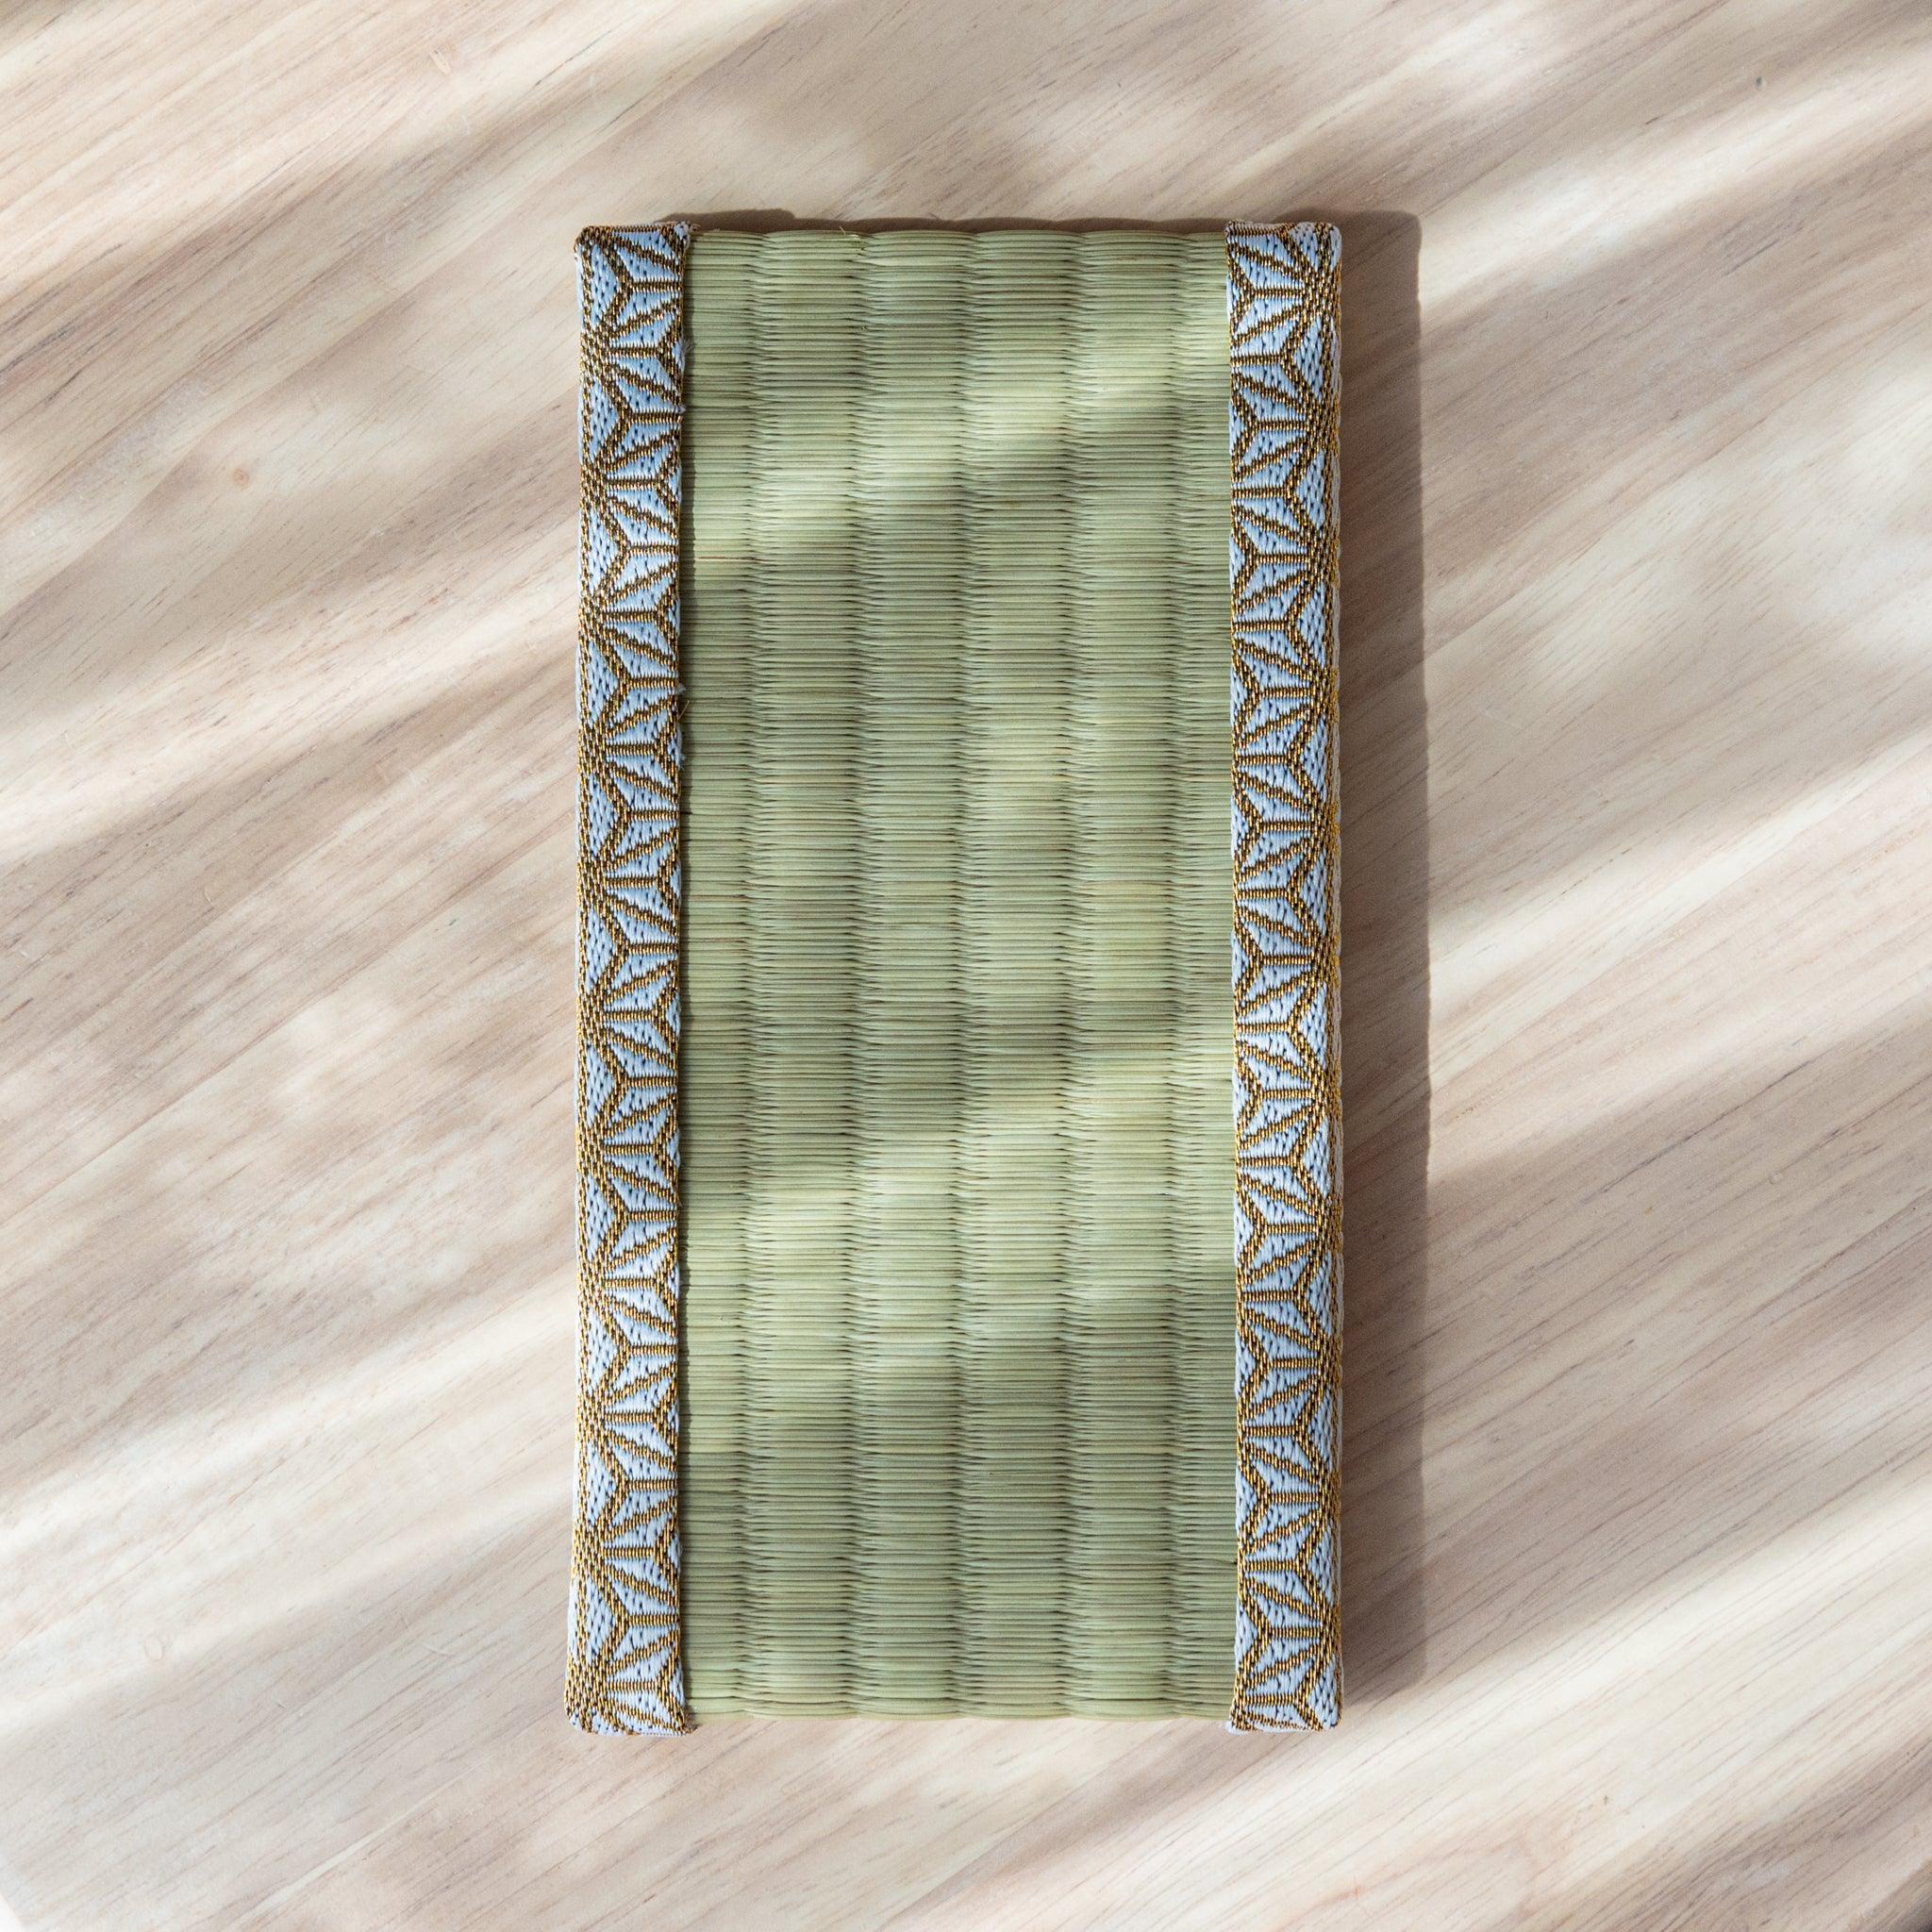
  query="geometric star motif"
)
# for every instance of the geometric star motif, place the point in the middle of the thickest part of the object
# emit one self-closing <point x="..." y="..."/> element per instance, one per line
<point x="1283" y="429"/>
<point x="627" y="1655"/>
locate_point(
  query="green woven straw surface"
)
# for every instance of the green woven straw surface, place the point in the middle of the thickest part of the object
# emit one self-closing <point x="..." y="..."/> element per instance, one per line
<point x="958" y="1162"/>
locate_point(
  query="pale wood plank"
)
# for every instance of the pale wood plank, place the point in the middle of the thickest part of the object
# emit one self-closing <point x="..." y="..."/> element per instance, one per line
<point x="1637" y="733"/>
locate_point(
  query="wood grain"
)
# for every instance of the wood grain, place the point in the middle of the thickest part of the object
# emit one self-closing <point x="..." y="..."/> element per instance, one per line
<point x="1637" y="753"/>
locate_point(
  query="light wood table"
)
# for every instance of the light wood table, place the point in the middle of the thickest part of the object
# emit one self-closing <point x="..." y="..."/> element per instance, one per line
<point x="1638" y="765"/>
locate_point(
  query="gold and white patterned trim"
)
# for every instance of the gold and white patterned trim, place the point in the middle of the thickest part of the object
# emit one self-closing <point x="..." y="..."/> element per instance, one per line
<point x="627" y="1650"/>
<point x="1284" y="444"/>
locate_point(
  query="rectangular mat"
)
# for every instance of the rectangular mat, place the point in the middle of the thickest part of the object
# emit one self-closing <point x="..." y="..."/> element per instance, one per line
<point x="922" y="1374"/>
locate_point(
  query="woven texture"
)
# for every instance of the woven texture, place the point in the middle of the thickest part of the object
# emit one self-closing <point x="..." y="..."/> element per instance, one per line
<point x="626" y="1671"/>
<point x="1283" y="435"/>
<point x="954" y="831"/>
<point x="959" y="1288"/>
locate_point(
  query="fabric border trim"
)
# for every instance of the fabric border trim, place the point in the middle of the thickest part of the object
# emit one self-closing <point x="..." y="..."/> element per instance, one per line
<point x="1284" y="421"/>
<point x="627" y="1649"/>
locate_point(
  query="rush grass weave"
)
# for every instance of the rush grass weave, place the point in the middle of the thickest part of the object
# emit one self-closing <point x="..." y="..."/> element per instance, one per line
<point x="959" y="1299"/>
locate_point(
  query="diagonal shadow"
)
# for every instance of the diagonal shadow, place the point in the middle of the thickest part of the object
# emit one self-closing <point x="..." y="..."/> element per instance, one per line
<point x="1385" y="914"/>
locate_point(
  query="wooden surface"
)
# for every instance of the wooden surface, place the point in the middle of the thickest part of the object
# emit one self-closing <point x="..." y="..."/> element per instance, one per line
<point x="1638" y="750"/>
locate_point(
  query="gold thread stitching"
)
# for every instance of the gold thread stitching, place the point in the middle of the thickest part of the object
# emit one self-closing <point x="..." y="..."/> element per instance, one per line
<point x="627" y="1667"/>
<point x="1288" y="1092"/>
